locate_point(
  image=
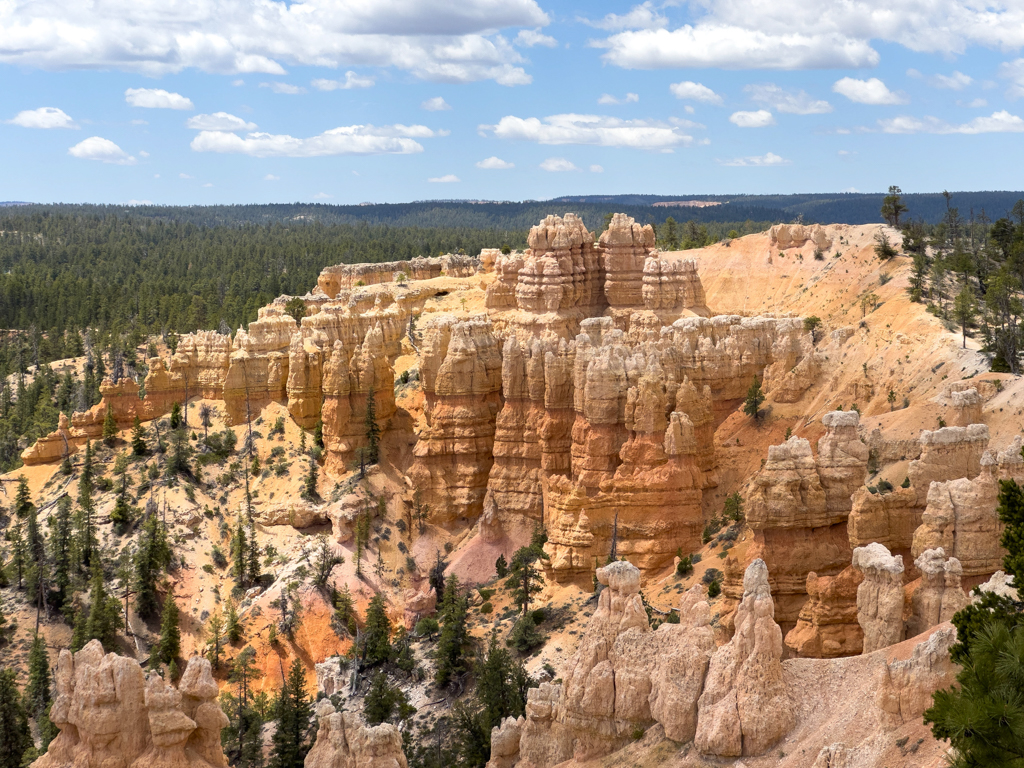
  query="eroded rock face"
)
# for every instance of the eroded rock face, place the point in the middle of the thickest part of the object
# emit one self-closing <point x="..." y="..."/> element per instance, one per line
<point x="939" y="595"/>
<point x="110" y="715"/>
<point x="623" y="676"/>
<point x="904" y="688"/>
<point x="798" y="511"/>
<point x="961" y="516"/>
<point x="461" y="372"/>
<point x="879" y="596"/>
<point x="745" y="707"/>
<point x="827" y="625"/>
<point x="795" y="235"/>
<point x="343" y="740"/>
<point x="334" y="279"/>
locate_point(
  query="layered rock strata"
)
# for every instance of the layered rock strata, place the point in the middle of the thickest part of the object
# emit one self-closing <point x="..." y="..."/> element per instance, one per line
<point x="343" y="740"/>
<point x="904" y="688"/>
<point x="334" y="279"/>
<point x="110" y="714"/>
<point x="939" y="595"/>
<point x="795" y="235"/>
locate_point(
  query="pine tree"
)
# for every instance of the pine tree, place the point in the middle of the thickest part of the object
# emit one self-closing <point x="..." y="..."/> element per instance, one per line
<point x="151" y="558"/>
<point x="501" y="567"/>
<point x="22" y="498"/>
<point x="120" y="516"/>
<point x="372" y="429"/>
<point x="309" y="490"/>
<point x="501" y="686"/>
<point x="139" y="438"/>
<point x="376" y="637"/>
<point x="14" y="732"/>
<point x="294" y="709"/>
<point x="37" y="692"/>
<point x="253" y="571"/>
<point x="214" y="628"/>
<point x="104" y="611"/>
<point x="239" y="554"/>
<point x="233" y="625"/>
<point x="450" y="651"/>
<point x="524" y="577"/>
<point x="60" y="548"/>
<point x="382" y="699"/>
<point x="85" y="529"/>
<point x="752" y="404"/>
<point x="19" y="553"/>
<point x="109" y="428"/>
<point x="318" y="433"/>
<point x="176" y="415"/>
<point x="169" y="646"/>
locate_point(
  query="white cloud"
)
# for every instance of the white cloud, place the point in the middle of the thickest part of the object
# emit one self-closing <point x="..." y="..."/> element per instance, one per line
<point x="156" y="98"/>
<point x="139" y="202"/>
<point x="238" y="83"/>
<point x="185" y="176"/>
<point x="432" y="39"/>
<point x="596" y="169"/>
<point x="955" y="82"/>
<point x="143" y="153"/>
<point x="695" y="92"/>
<point x="271" y="177"/>
<point x="781" y="100"/>
<point x="219" y="121"/>
<point x="872" y="91"/>
<point x="845" y="153"/>
<point x="448" y="178"/>
<point x="321" y="196"/>
<point x="997" y="122"/>
<point x="347" y="140"/>
<point x="104" y="150"/>
<point x="592" y="129"/>
<point x="286" y="88"/>
<point x="207" y="185"/>
<point x="436" y="104"/>
<point x="140" y="122"/>
<point x="643" y="16"/>
<point x="528" y="38"/>
<point x="44" y="117"/>
<point x="555" y="164"/>
<point x="759" y="119"/>
<point x="760" y="161"/>
<point x="495" y="164"/>
<point x="790" y="34"/>
<point x="914" y="74"/>
<point x="629" y="98"/>
<point x="689" y="109"/>
<point x="352" y="80"/>
<point x="1014" y="72"/>
<point x="973" y="103"/>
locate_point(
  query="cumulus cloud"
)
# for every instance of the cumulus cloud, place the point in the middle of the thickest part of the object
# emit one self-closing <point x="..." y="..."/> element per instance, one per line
<point x="44" y="117"/>
<point x="156" y="98"/>
<point x="872" y="91"/>
<point x="1014" y="72"/>
<point x="219" y="121"/>
<point x="997" y="122"/>
<point x="788" y="34"/>
<point x="495" y="164"/>
<point x="352" y="80"/>
<point x="629" y="98"/>
<point x="528" y="38"/>
<point x="432" y="39"/>
<point x="436" y="104"/>
<point x="556" y="164"/>
<point x="185" y="176"/>
<point x="347" y="140"/>
<point x="695" y="92"/>
<point x="448" y="178"/>
<point x="271" y="177"/>
<point x="596" y="169"/>
<point x="285" y="88"/>
<point x="759" y="119"/>
<point x="954" y="82"/>
<point x="643" y="16"/>
<point x="104" y="150"/>
<point x="792" y="102"/>
<point x="321" y="196"/>
<point x="973" y="103"/>
<point x="761" y="161"/>
<point x="593" y="129"/>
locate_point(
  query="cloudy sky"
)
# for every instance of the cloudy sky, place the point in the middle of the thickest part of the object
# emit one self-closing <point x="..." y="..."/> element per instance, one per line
<point x="348" y="101"/>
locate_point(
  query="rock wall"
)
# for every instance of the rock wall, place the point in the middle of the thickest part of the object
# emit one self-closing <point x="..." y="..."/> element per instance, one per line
<point x="112" y="715"/>
<point x="795" y="235"/>
<point x="334" y="279"/>
<point x="939" y="595"/>
<point x="343" y="740"/>
<point x="879" y="596"/>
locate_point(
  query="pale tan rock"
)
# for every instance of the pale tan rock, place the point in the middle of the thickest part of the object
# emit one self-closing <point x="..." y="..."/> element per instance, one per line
<point x="331" y="677"/>
<point x="111" y="716"/>
<point x="297" y="514"/>
<point x="1001" y="584"/>
<point x="879" y="596"/>
<point x="335" y="279"/>
<point x="745" y="708"/>
<point x="939" y="595"/>
<point x="52" y="447"/>
<point x="904" y="688"/>
<point x="343" y="740"/>
<point x="786" y="236"/>
<point x="505" y="742"/>
<point x="827" y="625"/>
<point x="419" y="603"/>
<point x="967" y="405"/>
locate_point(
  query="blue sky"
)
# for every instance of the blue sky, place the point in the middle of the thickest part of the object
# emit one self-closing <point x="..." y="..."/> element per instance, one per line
<point x="348" y="101"/>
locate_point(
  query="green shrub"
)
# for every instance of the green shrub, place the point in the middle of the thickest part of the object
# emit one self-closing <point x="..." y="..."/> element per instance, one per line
<point x="714" y="589"/>
<point x="486" y="608"/>
<point x="685" y="566"/>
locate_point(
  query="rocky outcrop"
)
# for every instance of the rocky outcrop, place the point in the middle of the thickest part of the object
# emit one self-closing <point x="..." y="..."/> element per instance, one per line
<point x="343" y="277"/>
<point x="967" y="404"/>
<point x="892" y="518"/>
<point x="798" y="511"/>
<point x="795" y="235"/>
<point x="879" y="596"/>
<point x="110" y="714"/>
<point x="1000" y="584"/>
<point x="343" y="740"/>
<point x="623" y="676"/>
<point x="461" y="374"/>
<point x="904" y="688"/>
<point x="745" y="707"/>
<point x="961" y="515"/>
<point x="52" y="447"/>
<point x="827" y="625"/>
<point x="505" y="740"/>
<point x="939" y="594"/>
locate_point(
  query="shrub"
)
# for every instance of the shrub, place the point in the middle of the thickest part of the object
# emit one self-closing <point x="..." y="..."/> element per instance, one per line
<point x="218" y="557"/>
<point x="538" y="615"/>
<point x="685" y="566"/>
<point x="710" y="575"/>
<point x="426" y="627"/>
<point x="884" y="486"/>
<point x="486" y="608"/>
<point x="524" y="636"/>
<point x="713" y="527"/>
<point x="486" y="594"/>
<point x="714" y="589"/>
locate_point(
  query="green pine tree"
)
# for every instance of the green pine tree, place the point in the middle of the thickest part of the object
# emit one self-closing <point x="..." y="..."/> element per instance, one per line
<point x="14" y="732"/>
<point x="239" y="554"/>
<point x="19" y="552"/>
<point x="376" y="638"/>
<point x="151" y="558"/>
<point x="752" y="403"/>
<point x="138" y="438"/>
<point x="309" y="490"/>
<point x="253" y="571"/>
<point x="104" y="611"/>
<point x="233" y="624"/>
<point x="372" y="429"/>
<point x="449" y="655"/>
<point x="169" y="646"/>
<point x="294" y="710"/>
<point x="524" y="577"/>
<point x="60" y="548"/>
<point x="22" y="498"/>
<point x="37" y="692"/>
<point x="109" y="428"/>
